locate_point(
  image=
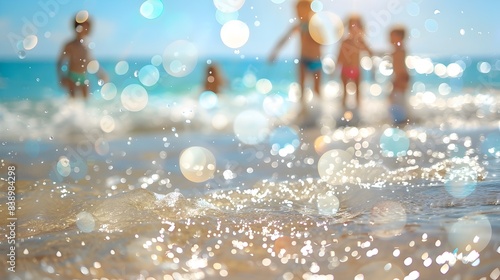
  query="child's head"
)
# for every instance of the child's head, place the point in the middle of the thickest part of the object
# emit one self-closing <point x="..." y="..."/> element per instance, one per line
<point x="211" y="70"/>
<point x="355" y="25"/>
<point x="82" y="23"/>
<point x="304" y="11"/>
<point x="397" y="35"/>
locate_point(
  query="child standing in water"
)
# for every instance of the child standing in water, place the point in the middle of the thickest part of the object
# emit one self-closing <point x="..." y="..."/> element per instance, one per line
<point x="401" y="77"/>
<point x="76" y="54"/>
<point x="214" y="80"/>
<point x="349" y="57"/>
<point x="310" y="51"/>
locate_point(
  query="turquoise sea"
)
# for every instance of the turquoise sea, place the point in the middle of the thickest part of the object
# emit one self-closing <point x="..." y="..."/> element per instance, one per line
<point x="29" y="90"/>
<point x="152" y="178"/>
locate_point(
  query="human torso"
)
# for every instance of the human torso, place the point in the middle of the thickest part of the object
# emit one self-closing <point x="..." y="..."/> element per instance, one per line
<point x="351" y="51"/>
<point x="399" y="65"/>
<point x="78" y="56"/>
<point x="310" y="49"/>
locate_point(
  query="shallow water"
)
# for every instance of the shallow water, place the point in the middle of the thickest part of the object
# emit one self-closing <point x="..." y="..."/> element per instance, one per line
<point x="125" y="209"/>
<point x="202" y="187"/>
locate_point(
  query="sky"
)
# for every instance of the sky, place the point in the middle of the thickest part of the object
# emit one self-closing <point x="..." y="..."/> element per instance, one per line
<point x="37" y="29"/>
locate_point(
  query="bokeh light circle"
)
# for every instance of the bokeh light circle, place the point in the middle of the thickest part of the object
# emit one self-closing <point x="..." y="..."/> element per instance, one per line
<point x="388" y="218"/>
<point x="413" y="9"/>
<point x="134" y="97"/>
<point x="121" y="68"/>
<point x="228" y="6"/>
<point x="484" y="67"/>
<point x="328" y="204"/>
<point x="156" y="60"/>
<point x="386" y="68"/>
<point x="151" y="9"/>
<point x="263" y="86"/>
<point x="85" y="221"/>
<point x="491" y="145"/>
<point x="332" y="163"/>
<point x="208" y="100"/>
<point x="180" y="58"/>
<point x="30" y="42"/>
<point x="235" y="33"/>
<point x="284" y="140"/>
<point x="275" y="105"/>
<point x="326" y="28"/>
<point x="149" y="75"/>
<point x="316" y="6"/>
<point x="82" y="16"/>
<point x="101" y="146"/>
<point x="107" y="124"/>
<point x="78" y="169"/>
<point x="63" y="167"/>
<point x="220" y="121"/>
<point x="251" y="127"/>
<point x="470" y="233"/>
<point x="21" y="54"/>
<point x="328" y="64"/>
<point x="460" y="180"/>
<point x="197" y="164"/>
<point x="415" y="33"/>
<point x="394" y="142"/>
<point x="431" y="25"/>
<point x="93" y="67"/>
<point x="108" y="91"/>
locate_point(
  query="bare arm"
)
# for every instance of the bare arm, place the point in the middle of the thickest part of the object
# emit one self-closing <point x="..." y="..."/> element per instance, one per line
<point x="365" y="47"/>
<point x="282" y="42"/>
<point x="100" y="71"/>
<point x="102" y="75"/>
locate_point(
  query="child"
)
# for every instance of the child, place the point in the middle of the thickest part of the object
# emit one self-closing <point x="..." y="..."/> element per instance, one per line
<point x="401" y="77"/>
<point x="310" y="50"/>
<point x="349" y="57"/>
<point x="213" y="79"/>
<point x="77" y="56"/>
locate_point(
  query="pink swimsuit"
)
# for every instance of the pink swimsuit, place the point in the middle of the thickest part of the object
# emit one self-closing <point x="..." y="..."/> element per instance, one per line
<point x="350" y="72"/>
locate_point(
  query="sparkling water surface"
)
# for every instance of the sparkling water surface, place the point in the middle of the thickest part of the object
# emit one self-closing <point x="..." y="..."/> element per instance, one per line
<point x="154" y="178"/>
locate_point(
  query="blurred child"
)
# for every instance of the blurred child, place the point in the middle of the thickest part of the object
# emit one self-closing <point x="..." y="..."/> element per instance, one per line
<point x="349" y="57"/>
<point x="310" y="50"/>
<point x="401" y="77"/>
<point x="213" y="79"/>
<point x="76" y="55"/>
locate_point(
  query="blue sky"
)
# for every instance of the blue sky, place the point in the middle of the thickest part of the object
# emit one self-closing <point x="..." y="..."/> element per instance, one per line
<point x="120" y="31"/>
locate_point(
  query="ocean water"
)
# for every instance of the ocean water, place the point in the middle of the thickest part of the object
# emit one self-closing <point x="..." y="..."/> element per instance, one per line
<point x="162" y="181"/>
<point x="32" y="98"/>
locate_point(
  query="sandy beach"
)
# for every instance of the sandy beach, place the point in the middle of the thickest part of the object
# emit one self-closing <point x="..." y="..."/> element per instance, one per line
<point x="233" y="139"/>
<point x="126" y="210"/>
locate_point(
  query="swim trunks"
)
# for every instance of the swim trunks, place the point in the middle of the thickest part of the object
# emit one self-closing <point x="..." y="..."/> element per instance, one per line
<point x="398" y="109"/>
<point x="77" y="78"/>
<point x="313" y="65"/>
<point x="304" y="26"/>
<point x="351" y="72"/>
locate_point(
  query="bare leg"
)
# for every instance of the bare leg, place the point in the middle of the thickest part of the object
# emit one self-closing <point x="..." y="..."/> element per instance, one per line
<point x="71" y="89"/>
<point x="85" y="91"/>
<point x="358" y="94"/>
<point x="302" y="79"/>
<point x="317" y="83"/>
<point x="345" y="80"/>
